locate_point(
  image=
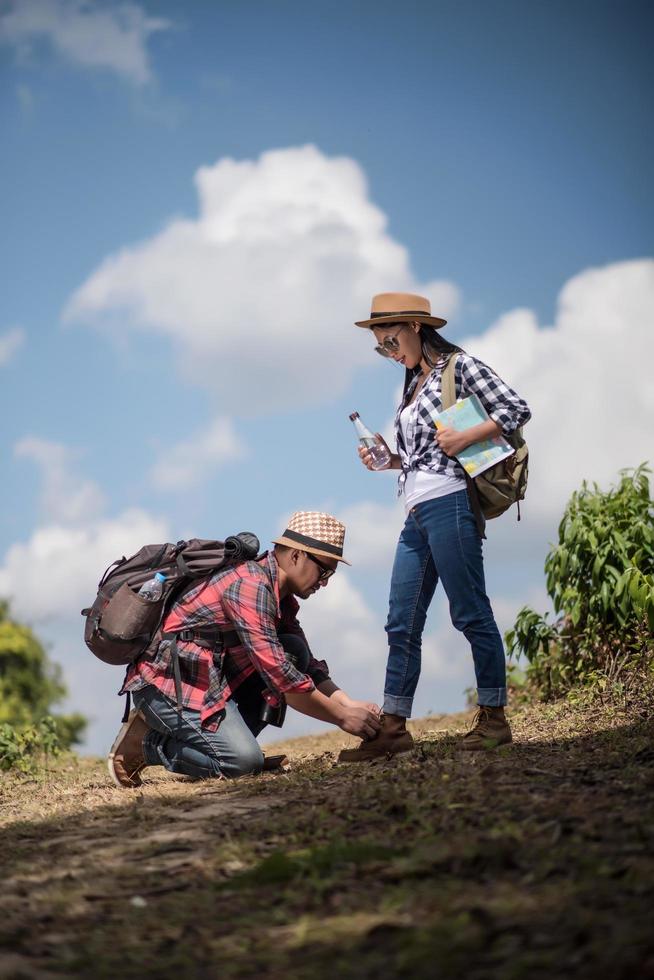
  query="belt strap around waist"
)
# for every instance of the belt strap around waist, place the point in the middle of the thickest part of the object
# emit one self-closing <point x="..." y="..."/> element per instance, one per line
<point x="210" y="639"/>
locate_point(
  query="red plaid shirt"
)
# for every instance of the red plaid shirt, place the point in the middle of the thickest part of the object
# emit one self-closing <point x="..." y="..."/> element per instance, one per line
<point x="245" y="599"/>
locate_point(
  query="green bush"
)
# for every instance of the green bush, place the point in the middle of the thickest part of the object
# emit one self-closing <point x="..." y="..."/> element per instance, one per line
<point x="30" y="685"/>
<point x="26" y="749"/>
<point x="600" y="577"/>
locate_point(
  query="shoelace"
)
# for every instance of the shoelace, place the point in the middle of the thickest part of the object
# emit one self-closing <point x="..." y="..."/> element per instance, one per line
<point x="481" y="715"/>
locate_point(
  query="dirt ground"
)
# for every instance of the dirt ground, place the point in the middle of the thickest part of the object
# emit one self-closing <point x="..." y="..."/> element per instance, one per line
<point x="535" y="860"/>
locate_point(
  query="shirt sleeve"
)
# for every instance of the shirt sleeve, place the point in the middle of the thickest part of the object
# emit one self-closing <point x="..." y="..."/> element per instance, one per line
<point x="502" y="403"/>
<point x="251" y="607"/>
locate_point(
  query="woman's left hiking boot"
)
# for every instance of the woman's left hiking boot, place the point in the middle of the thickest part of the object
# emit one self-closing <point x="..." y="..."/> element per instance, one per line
<point x="490" y="728"/>
<point x="126" y="759"/>
<point x="391" y="739"/>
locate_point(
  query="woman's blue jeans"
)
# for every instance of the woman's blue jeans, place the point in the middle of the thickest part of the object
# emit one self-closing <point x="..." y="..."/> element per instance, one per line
<point x="440" y="540"/>
<point x="177" y="740"/>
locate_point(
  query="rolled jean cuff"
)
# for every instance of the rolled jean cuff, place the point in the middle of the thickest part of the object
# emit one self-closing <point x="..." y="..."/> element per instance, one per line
<point x="397" y="706"/>
<point x="491" y="697"/>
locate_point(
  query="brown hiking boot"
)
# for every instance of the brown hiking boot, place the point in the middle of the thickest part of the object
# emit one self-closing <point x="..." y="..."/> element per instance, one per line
<point x="391" y="739"/>
<point x="126" y="759"/>
<point x="489" y="729"/>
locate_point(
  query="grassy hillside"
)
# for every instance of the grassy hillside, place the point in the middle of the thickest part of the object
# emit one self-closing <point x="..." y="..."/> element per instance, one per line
<point x="535" y="861"/>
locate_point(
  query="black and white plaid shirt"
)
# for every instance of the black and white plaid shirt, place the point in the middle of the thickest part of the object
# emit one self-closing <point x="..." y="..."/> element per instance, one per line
<point x="471" y="376"/>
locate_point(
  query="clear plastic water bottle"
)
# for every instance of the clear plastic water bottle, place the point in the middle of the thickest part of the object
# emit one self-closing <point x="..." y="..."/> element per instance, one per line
<point x="153" y="588"/>
<point x="379" y="453"/>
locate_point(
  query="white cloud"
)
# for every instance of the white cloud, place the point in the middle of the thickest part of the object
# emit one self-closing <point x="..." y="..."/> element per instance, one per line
<point x="372" y="531"/>
<point x="53" y="574"/>
<point x="285" y="252"/>
<point x="446" y="660"/>
<point x="93" y="35"/>
<point x="587" y="378"/>
<point x="339" y="604"/>
<point x="182" y="466"/>
<point x="10" y="342"/>
<point x="50" y="578"/>
<point x="47" y="576"/>
<point x="65" y="497"/>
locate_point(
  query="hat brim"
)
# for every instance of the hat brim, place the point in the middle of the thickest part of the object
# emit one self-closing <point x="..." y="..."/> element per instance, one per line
<point x="378" y="321"/>
<point x="289" y="543"/>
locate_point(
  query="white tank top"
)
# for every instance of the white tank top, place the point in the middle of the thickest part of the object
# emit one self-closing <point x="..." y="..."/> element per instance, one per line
<point x="424" y="485"/>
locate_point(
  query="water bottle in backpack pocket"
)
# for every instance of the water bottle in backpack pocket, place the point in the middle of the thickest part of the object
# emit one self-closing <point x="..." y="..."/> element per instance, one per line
<point x="126" y="623"/>
<point x="130" y="614"/>
<point x="152" y="590"/>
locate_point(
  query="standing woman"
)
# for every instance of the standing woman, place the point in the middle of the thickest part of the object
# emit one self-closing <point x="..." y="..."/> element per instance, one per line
<point x="441" y="538"/>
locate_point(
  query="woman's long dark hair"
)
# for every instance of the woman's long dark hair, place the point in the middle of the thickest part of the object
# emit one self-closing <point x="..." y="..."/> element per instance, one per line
<point x="435" y="350"/>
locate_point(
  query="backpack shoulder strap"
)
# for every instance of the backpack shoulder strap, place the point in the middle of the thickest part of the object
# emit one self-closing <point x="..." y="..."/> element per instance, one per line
<point x="448" y="385"/>
<point x="448" y="398"/>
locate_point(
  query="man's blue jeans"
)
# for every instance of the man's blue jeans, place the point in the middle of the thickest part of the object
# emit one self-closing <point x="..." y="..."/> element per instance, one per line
<point x="177" y="741"/>
<point x="440" y="540"/>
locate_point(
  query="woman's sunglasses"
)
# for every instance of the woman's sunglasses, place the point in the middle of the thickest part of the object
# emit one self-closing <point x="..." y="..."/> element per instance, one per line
<point x="325" y="572"/>
<point x="390" y="345"/>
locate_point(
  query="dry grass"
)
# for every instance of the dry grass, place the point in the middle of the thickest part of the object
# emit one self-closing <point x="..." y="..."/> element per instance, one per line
<point x="533" y="861"/>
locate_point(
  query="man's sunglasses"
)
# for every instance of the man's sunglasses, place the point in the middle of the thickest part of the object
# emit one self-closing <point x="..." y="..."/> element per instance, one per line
<point x="390" y="345"/>
<point x="325" y="572"/>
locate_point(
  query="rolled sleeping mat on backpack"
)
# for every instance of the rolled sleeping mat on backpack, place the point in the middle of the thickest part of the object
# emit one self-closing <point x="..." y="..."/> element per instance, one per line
<point x="243" y="546"/>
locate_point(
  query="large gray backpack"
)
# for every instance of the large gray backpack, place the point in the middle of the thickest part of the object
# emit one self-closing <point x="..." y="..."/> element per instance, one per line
<point x="504" y="484"/>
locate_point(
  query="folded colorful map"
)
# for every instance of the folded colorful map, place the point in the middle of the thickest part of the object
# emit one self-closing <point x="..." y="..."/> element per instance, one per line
<point x="465" y="413"/>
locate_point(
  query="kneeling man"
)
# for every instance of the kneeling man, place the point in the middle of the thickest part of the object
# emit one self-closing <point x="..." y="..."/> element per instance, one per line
<point x="199" y="708"/>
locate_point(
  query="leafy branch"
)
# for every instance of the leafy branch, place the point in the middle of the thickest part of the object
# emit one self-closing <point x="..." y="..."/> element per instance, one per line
<point x="600" y="577"/>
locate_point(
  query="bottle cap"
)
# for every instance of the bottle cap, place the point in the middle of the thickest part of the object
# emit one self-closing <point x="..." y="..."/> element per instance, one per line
<point x="160" y="577"/>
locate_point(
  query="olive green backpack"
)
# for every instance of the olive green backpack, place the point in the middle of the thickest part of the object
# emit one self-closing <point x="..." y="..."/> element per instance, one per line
<point x="504" y="484"/>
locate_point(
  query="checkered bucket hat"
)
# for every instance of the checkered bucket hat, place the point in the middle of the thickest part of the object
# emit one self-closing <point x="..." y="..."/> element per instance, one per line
<point x="320" y="534"/>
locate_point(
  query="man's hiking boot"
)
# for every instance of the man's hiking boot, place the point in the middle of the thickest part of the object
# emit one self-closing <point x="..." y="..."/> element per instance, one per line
<point x="391" y="739"/>
<point x="489" y="729"/>
<point x="126" y="759"/>
<point x="273" y="763"/>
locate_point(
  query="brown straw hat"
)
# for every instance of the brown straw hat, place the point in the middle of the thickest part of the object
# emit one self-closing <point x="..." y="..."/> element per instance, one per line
<point x="400" y="308"/>
<point x="319" y="534"/>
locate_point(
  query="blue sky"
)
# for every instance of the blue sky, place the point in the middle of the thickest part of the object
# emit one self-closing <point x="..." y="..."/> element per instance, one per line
<point x="199" y="199"/>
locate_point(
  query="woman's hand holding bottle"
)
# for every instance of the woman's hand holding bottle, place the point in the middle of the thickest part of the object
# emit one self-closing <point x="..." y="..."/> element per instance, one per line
<point x="370" y="460"/>
<point x="377" y="454"/>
